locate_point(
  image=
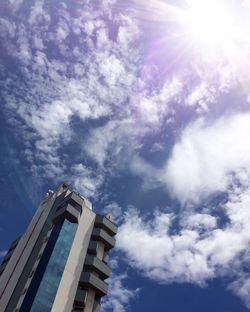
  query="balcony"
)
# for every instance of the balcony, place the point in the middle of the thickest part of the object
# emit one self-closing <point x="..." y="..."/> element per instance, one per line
<point x="73" y="199"/>
<point x="67" y="212"/>
<point x="106" y="224"/>
<point x="89" y="280"/>
<point x="101" y="235"/>
<point x="96" y="265"/>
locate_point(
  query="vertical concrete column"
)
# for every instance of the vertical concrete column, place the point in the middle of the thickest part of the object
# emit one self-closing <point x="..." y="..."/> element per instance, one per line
<point x="96" y="306"/>
<point x="69" y="282"/>
<point x="100" y="251"/>
<point x="89" y="305"/>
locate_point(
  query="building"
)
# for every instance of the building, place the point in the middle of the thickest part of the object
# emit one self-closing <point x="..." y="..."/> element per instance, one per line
<point x="61" y="262"/>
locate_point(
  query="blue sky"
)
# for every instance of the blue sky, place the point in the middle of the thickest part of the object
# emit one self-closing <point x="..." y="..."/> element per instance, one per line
<point x="144" y="108"/>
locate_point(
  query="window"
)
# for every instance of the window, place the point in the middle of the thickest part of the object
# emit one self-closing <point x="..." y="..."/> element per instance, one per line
<point x="45" y="282"/>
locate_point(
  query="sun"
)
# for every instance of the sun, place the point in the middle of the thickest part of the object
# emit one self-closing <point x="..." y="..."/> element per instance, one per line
<point x="217" y="29"/>
<point x="212" y="35"/>
<point x="209" y="22"/>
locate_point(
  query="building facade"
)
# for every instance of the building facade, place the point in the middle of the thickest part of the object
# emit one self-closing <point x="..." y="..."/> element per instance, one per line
<point x="61" y="262"/>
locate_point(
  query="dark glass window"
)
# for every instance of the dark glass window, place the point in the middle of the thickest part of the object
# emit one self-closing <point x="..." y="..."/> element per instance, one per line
<point x="45" y="282"/>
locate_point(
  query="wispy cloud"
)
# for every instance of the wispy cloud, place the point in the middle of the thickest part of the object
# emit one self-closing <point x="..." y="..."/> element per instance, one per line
<point x="207" y="155"/>
<point x="115" y="210"/>
<point x="86" y="99"/>
<point x="85" y="180"/>
<point x="95" y="72"/>
<point x="119" y="295"/>
<point x="241" y="287"/>
<point x="89" y="77"/>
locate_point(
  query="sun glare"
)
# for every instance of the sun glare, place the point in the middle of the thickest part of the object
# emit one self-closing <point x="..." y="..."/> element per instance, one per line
<point x="209" y="22"/>
<point x="208" y="32"/>
<point x="213" y="25"/>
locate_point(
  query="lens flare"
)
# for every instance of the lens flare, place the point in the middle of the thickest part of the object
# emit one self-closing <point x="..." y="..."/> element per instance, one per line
<point x="208" y="35"/>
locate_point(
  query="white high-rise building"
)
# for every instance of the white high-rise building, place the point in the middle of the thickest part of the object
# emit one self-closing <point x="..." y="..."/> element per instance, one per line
<point x="61" y="262"/>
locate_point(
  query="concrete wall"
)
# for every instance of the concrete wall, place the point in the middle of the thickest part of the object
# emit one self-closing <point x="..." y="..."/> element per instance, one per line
<point x="68" y="286"/>
<point x="13" y="275"/>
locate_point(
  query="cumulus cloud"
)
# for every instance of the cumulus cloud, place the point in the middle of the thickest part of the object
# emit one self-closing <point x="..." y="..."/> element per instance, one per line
<point x="174" y="256"/>
<point x="198" y="251"/>
<point x="206" y="159"/>
<point x="81" y="92"/>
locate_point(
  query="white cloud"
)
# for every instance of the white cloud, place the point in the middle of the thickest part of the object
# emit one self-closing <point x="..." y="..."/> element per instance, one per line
<point x="202" y="96"/>
<point x="113" y="70"/>
<point x="139" y="167"/>
<point x="89" y="27"/>
<point x="115" y="142"/>
<point x="199" y="222"/>
<point x="45" y="105"/>
<point x="38" y="14"/>
<point x="15" y="4"/>
<point x="62" y="31"/>
<point x="199" y="250"/>
<point x="154" y="108"/>
<point x="7" y="28"/>
<point x="122" y="137"/>
<point x="206" y="155"/>
<point x="115" y="210"/>
<point x="119" y="296"/>
<point x="174" y="256"/>
<point x="102" y="38"/>
<point x="128" y="31"/>
<point x="98" y="75"/>
<point x="241" y="287"/>
<point x="84" y="180"/>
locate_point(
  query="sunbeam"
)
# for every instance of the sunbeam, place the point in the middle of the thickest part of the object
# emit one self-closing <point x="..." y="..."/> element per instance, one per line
<point x="209" y="29"/>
